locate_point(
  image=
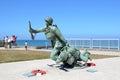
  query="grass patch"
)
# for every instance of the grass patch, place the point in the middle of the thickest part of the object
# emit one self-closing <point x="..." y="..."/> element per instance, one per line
<point x="1" y="44"/>
<point x="22" y="55"/>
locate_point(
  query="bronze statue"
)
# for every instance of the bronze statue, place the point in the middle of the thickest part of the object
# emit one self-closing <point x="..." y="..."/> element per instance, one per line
<point x="61" y="52"/>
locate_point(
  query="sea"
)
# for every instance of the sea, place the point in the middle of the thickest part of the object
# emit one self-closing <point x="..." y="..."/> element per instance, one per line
<point x="33" y="43"/>
<point x="111" y="44"/>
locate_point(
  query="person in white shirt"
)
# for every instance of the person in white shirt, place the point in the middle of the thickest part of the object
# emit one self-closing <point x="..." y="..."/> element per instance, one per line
<point x="9" y="43"/>
<point x="6" y="42"/>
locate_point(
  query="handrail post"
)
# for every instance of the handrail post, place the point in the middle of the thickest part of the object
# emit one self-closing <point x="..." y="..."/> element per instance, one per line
<point x="118" y="44"/>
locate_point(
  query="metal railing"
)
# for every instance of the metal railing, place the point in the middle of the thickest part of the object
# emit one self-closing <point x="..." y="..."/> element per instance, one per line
<point x="109" y="44"/>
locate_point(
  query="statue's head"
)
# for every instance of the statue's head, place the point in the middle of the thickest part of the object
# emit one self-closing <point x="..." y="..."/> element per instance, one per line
<point x="49" y="20"/>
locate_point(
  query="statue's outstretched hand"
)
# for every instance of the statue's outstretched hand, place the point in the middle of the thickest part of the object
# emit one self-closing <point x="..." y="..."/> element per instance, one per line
<point x="32" y="30"/>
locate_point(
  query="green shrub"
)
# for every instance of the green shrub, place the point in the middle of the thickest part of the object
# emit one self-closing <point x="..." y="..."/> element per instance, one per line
<point x="1" y="44"/>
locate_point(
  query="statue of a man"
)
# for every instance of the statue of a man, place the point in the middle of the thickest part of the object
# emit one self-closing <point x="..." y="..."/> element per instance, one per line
<point x="52" y="33"/>
<point x="61" y="52"/>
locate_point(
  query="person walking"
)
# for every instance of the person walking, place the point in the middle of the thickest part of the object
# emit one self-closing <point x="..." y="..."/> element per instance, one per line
<point x="6" y="42"/>
<point x="26" y="44"/>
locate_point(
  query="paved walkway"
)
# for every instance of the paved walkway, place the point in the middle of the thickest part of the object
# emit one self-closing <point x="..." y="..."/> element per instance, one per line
<point x="22" y="48"/>
<point x="107" y="69"/>
<point x="108" y="52"/>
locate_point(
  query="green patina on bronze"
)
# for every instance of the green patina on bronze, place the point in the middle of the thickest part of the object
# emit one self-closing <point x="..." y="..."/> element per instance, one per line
<point x="62" y="51"/>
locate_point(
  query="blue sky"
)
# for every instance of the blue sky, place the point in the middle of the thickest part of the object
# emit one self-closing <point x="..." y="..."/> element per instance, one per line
<point x="75" y="18"/>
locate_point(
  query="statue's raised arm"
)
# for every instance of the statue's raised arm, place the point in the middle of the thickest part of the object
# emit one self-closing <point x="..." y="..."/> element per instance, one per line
<point x="31" y="30"/>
